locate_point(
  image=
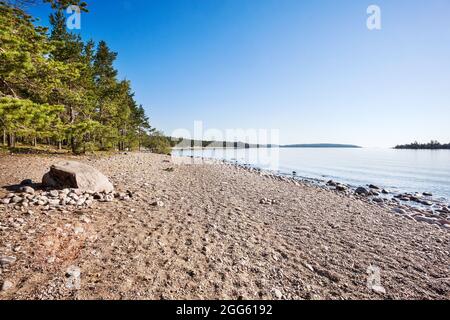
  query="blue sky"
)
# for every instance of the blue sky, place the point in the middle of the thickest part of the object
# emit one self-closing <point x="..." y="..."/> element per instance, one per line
<point x="309" y="68"/>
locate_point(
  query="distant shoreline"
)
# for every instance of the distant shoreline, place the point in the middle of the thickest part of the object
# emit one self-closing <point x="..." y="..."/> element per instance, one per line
<point x="433" y="145"/>
<point x="300" y="146"/>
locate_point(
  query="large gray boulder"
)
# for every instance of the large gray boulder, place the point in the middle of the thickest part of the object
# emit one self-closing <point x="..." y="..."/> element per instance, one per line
<point x="71" y="174"/>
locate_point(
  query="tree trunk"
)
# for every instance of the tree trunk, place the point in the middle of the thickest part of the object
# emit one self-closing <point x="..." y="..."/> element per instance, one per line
<point x="4" y="137"/>
<point x="11" y="141"/>
<point x="73" y="145"/>
<point x="139" y="139"/>
<point x="72" y="139"/>
<point x="59" y="145"/>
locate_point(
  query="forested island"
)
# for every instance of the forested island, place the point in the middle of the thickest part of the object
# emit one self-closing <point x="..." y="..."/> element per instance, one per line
<point x="433" y="145"/>
<point x="322" y="145"/>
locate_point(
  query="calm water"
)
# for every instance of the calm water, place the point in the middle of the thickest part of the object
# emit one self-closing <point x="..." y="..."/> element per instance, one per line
<point x="397" y="170"/>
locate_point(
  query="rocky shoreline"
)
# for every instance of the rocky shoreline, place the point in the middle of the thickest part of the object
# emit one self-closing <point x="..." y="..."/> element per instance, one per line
<point x="419" y="207"/>
<point x="208" y="231"/>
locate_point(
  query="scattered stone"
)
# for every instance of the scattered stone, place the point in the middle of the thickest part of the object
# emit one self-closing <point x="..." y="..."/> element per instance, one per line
<point x="73" y="274"/>
<point x="109" y="198"/>
<point x="426" y="203"/>
<point x="7" y="260"/>
<point x="427" y="194"/>
<point x="78" y="230"/>
<point x="54" y="194"/>
<point x="399" y="211"/>
<point x="6" y="201"/>
<point x="331" y="183"/>
<point x="54" y="202"/>
<point x="7" y="285"/>
<point x="362" y="191"/>
<point x="16" y="199"/>
<point x="328" y="274"/>
<point x="27" y="190"/>
<point x="158" y="204"/>
<point x="378" y="200"/>
<point x="76" y="175"/>
<point x="374" y="187"/>
<point x="427" y="220"/>
<point x="277" y="293"/>
<point x="378" y="290"/>
<point x="341" y="188"/>
<point x="310" y="267"/>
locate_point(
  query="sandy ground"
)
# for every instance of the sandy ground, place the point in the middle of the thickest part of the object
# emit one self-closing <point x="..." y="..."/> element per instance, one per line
<point x="213" y="239"/>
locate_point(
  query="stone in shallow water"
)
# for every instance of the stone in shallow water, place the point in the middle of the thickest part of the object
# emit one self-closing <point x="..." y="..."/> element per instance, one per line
<point x="362" y="191"/>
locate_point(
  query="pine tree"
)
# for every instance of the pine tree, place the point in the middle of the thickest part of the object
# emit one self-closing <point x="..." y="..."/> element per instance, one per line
<point x="55" y="87"/>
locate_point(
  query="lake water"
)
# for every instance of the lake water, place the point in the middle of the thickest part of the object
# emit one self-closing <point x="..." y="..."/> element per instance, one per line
<point x="397" y="170"/>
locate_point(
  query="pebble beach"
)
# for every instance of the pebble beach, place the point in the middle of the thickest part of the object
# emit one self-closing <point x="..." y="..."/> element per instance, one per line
<point x="214" y="231"/>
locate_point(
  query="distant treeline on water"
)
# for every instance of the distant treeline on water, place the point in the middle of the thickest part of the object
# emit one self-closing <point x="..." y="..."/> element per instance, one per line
<point x="433" y="145"/>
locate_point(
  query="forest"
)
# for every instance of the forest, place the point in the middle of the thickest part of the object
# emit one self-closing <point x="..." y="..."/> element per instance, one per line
<point x="433" y="145"/>
<point x="58" y="90"/>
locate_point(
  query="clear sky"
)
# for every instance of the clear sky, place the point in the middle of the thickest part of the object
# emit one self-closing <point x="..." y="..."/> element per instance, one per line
<point x="309" y="68"/>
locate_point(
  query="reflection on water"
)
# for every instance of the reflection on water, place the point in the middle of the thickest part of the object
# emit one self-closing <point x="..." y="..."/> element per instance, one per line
<point x="401" y="170"/>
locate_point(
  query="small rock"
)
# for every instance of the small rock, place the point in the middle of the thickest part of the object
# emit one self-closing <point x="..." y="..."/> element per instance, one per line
<point x="331" y="183"/>
<point x="277" y="293"/>
<point x="374" y="187"/>
<point x="54" y="194"/>
<point x="427" y="220"/>
<point x="427" y="194"/>
<point x="399" y="211"/>
<point x="78" y="230"/>
<point x="16" y="199"/>
<point x="53" y="202"/>
<point x="7" y="285"/>
<point x="158" y="204"/>
<point x="74" y="196"/>
<point x="109" y="198"/>
<point x="310" y="267"/>
<point x="5" y="201"/>
<point x="7" y="260"/>
<point x="341" y="188"/>
<point x="379" y="290"/>
<point x="362" y="191"/>
<point x="27" y="190"/>
<point x="73" y="274"/>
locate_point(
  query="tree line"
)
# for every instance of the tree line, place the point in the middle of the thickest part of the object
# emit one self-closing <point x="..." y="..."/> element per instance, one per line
<point x="59" y="90"/>
<point x="433" y="145"/>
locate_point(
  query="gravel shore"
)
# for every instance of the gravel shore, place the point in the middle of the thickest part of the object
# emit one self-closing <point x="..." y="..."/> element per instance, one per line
<point x="212" y="231"/>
